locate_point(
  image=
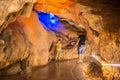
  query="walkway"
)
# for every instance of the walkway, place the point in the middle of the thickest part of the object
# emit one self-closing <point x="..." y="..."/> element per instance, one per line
<point x="64" y="70"/>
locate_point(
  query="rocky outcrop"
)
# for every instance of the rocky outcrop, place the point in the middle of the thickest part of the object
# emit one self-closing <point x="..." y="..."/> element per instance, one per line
<point x="10" y="9"/>
<point x="108" y="40"/>
<point x="22" y="44"/>
<point x="14" y="45"/>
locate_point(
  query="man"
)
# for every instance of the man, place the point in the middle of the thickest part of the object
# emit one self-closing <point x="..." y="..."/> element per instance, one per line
<point x="81" y="47"/>
<point x="58" y="49"/>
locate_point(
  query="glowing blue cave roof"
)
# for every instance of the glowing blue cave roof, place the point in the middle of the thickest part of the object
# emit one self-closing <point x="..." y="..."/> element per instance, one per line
<point x="49" y="21"/>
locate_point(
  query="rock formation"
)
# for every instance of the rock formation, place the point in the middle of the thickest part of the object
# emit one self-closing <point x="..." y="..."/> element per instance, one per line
<point x="25" y="40"/>
<point x="14" y="46"/>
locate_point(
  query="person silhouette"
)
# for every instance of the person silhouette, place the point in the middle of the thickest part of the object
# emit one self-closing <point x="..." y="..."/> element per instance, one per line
<point x="58" y="49"/>
<point x="81" y="47"/>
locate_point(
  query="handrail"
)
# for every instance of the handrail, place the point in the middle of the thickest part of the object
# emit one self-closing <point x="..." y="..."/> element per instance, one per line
<point x="103" y="62"/>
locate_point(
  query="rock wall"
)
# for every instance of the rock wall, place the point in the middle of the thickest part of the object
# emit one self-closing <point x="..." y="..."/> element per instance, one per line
<point x="14" y="45"/>
<point x="40" y="38"/>
<point x="10" y="9"/>
<point x="108" y="29"/>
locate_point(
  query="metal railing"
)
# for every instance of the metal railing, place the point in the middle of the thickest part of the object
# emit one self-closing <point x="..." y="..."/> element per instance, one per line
<point x="103" y="62"/>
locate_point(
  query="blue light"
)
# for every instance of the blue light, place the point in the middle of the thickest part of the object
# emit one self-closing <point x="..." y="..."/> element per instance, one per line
<point x="50" y="21"/>
<point x="52" y="18"/>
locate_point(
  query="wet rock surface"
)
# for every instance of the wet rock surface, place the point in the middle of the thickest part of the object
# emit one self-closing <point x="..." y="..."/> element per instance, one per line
<point x="60" y="70"/>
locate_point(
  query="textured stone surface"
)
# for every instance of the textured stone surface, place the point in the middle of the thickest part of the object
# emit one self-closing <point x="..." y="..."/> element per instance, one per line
<point x="100" y="18"/>
<point x="111" y="73"/>
<point x="10" y="9"/>
<point x="14" y="45"/>
<point x="40" y="38"/>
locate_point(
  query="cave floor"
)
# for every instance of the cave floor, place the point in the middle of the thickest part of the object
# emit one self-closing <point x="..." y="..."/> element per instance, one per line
<point x="62" y="70"/>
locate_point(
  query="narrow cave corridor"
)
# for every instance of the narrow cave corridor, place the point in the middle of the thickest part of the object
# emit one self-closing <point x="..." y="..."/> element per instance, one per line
<point x="30" y="31"/>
